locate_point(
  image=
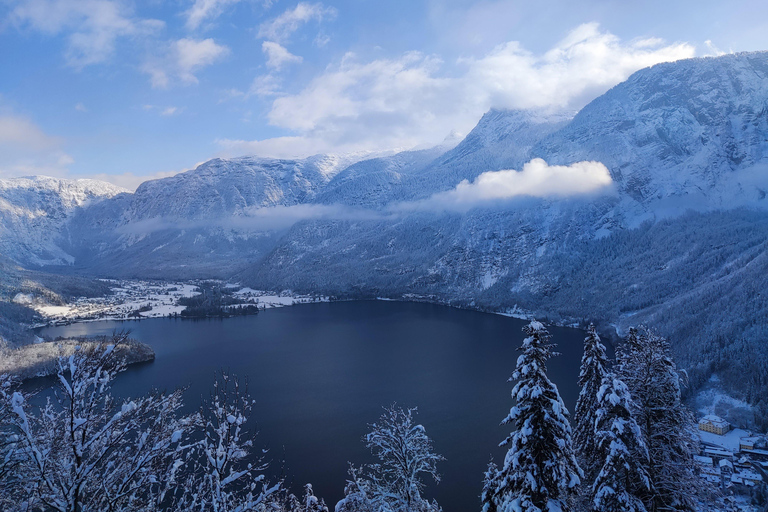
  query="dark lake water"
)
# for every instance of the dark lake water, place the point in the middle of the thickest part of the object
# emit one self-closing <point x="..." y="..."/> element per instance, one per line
<point x="320" y="373"/>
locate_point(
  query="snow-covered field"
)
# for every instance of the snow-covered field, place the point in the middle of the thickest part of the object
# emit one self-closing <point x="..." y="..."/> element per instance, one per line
<point x="158" y="298"/>
<point x="712" y="398"/>
<point x="150" y="299"/>
<point x="728" y="441"/>
<point x="270" y="300"/>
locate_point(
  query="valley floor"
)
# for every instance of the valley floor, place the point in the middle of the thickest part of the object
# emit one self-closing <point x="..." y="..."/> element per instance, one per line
<point x="133" y="299"/>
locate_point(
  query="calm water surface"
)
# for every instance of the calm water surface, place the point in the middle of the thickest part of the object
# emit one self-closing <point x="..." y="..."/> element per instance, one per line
<point x="320" y="373"/>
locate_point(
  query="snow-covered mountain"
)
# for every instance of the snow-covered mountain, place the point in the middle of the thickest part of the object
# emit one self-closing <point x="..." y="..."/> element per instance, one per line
<point x="226" y="187"/>
<point x="502" y="139"/>
<point x="682" y="135"/>
<point x="196" y="223"/>
<point x="33" y="210"/>
<point x="677" y="137"/>
<point x="674" y="137"/>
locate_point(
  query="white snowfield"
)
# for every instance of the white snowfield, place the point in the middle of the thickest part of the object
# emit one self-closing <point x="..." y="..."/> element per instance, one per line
<point x="159" y="299"/>
<point x="269" y="300"/>
<point x="728" y="441"/>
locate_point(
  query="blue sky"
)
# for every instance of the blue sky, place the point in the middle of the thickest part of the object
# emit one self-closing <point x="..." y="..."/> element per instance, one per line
<point x="130" y="90"/>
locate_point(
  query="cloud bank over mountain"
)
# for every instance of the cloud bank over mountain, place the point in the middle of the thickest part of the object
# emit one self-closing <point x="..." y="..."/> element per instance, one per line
<point x="536" y="179"/>
<point x="415" y="98"/>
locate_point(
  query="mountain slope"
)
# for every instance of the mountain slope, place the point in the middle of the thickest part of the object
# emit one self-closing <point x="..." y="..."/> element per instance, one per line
<point x="502" y="139"/>
<point x="34" y="210"/>
<point x="676" y="137"/>
<point x="198" y="223"/>
<point x="229" y="187"/>
<point x="679" y="135"/>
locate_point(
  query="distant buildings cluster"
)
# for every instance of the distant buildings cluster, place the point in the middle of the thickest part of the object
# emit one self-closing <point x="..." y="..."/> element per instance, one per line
<point x="734" y="459"/>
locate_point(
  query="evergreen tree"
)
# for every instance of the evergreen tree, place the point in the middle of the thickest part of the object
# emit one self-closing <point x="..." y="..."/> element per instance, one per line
<point x="490" y="488"/>
<point x="622" y="481"/>
<point x="593" y="370"/>
<point x="11" y="478"/>
<point x="647" y="368"/>
<point x="540" y="472"/>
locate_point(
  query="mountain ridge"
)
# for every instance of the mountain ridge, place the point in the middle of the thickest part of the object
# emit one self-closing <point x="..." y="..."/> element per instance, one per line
<point x="685" y="143"/>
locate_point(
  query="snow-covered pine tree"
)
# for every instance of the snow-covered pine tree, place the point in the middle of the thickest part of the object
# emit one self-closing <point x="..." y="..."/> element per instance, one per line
<point x="646" y="367"/>
<point x="221" y="479"/>
<point x="540" y="472"/>
<point x="594" y="365"/>
<point x="490" y="488"/>
<point x="87" y="451"/>
<point x="622" y="482"/>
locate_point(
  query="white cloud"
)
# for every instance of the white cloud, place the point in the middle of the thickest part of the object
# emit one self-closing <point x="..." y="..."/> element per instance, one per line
<point x="202" y="10"/>
<point x="256" y="219"/>
<point x="19" y="131"/>
<point x="321" y="40"/>
<point x="25" y="149"/>
<point x="277" y="55"/>
<point x="195" y="54"/>
<point x="169" y="111"/>
<point x="93" y="25"/>
<point x="281" y="217"/>
<point x="263" y="86"/>
<point x="388" y="100"/>
<point x="537" y="179"/>
<point x="282" y="27"/>
<point x="80" y="107"/>
<point x="266" y="85"/>
<point x="713" y="50"/>
<point x="583" y="65"/>
<point x="163" y="111"/>
<point x="182" y="59"/>
<point x="413" y="100"/>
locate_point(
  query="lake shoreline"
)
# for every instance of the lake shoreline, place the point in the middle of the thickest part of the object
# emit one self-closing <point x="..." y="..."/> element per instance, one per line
<point x="41" y="359"/>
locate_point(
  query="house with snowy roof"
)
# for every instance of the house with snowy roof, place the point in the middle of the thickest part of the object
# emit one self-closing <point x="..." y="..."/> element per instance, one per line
<point x="726" y="466"/>
<point x="752" y="443"/>
<point x="717" y="455"/>
<point x="714" y="424"/>
<point x="747" y="477"/>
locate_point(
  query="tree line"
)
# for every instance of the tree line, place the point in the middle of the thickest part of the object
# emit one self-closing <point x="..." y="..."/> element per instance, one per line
<point x="630" y="447"/>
